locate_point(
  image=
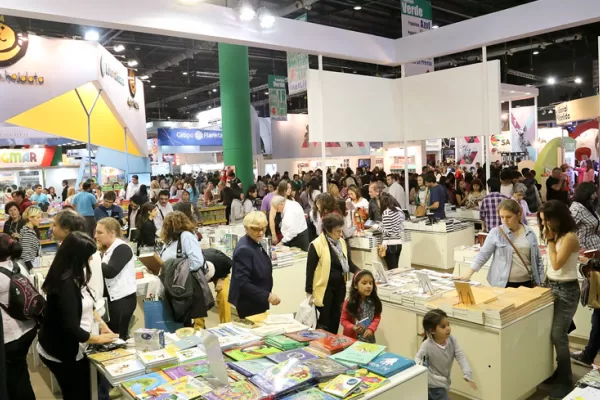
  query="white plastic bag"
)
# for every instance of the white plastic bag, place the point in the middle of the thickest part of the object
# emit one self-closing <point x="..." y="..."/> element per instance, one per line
<point x="307" y="313"/>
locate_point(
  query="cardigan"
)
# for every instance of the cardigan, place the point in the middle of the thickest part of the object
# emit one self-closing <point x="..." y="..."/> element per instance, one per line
<point x="60" y="333"/>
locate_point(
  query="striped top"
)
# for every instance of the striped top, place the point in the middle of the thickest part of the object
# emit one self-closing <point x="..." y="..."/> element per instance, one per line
<point x="30" y="244"/>
<point x="392" y="226"/>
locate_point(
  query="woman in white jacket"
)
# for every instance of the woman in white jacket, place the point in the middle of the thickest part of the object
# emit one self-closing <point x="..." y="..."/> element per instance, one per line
<point x="237" y="208"/>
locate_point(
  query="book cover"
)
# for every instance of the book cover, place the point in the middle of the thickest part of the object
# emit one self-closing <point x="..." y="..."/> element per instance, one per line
<point x="235" y="375"/>
<point x="310" y="394"/>
<point x="251" y="367"/>
<point x="188" y="355"/>
<point x="137" y="386"/>
<point x="241" y="390"/>
<point x="361" y="352"/>
<point x="326" y="368"/>
<point x="109" y="355"/>
<point x="368" y="383"/>
<point x="333" y="343"/>
<point x="251" y="352"/>
<point x="298" y="353"/>
<point x="342" y="386"/>
<point x="185" y="343"/>
<point x="183" y="388"/>
<point x="283" y="377"/>
<point x="388" y="364"/>
<point x="156" y="357"/>
<point x="194" y="370"/>
<point x="347" y="364"/>
<point x="124" y="366"/>
<point x="284" y="341"/>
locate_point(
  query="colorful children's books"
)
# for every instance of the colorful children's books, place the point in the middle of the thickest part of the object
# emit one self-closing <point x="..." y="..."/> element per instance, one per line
<point x="368" y="382"/>
<point x="140" y="385"/>
<point x="325" y="368"/>
<point x="347" y="364"/>
<point x="308" y="336"/>
<point x="189" y="355"/>
<point x="123" y="368"/>
<point x="388" y="364"/>
<point x="360" y="352"/>
<point x="310" y="394"/>
<point x="235" y="376"/>
<point x="251" y="367"/>
<point x="300" y="354"/>
<point x="109" y="355"/>
<point x="185" y="343"/>
<point x="284" y="377"/>
<point x="241" y="390"/>
<point x="342" y="386"/>
<point x="186" y="388"/>
<point x="332" y="344"/>
<point x="156" y="358"/>
<point x="258" y="350"/>
<point x="283" y="342"/>
<point x="195" y="369"/>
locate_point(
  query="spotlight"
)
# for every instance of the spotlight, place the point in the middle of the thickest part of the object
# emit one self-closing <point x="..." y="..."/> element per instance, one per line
<point x="119" y="48"/>
<point x="358" y="8"/>
<point x="153" y="86"/>
<point x="435" y="27"/>
<point x="551" y="80"/>
<point x="267" y="93"/>
<point x="185" y="98"/>
<point x="536" y="52"/>
<point x="246" y="11"/>
<point x="578" y="80"/>
<point x="132" y="63"/>
<point x="92" y="36"/>
<point x="550" y="112"/>
<point x="215" y="90"/>
<point x="266" y="19"/>
<point x="184" y="73"/>
<point x="144" y="77"/>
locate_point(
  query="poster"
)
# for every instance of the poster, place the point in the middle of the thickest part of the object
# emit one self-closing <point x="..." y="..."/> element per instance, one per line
<point x="416" y="18"/>
<point x="469" y="150"/>
<point x="277" y="98"/>
<point x="523" y="130"/>
<point x="189" y="137"/>
<point x="500" y="144"/>
<point x="297" y="67"/>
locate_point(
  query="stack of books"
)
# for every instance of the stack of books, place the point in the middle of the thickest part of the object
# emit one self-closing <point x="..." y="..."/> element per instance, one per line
<point x="285" y="377"/>
<point x="189" y="355"/>
<point x="183" y="388"/>
<point x="251" y="367"/>
<point x="388" y="364"/>
<point x="514" y="304"/>
<point x="308" y="335"/>
<point x="284" y="343"/>
<point x="157" y="358"/>
<point x="136" y="387"/>
<point x="124" y="368"/>
<point x="332" y="344"/>
<point x="195" y="369"/>
<point x="109" y="355"/>
<point x="251" y="352"/>
<point x="238" y="390"/>
<point x="360" y="353"/>
<point x="310" y="394"/>
<point x="298" y="354"/>
<point x="282" y="258"/>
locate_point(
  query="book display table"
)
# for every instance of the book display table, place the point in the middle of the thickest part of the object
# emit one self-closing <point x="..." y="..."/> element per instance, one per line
<point x="508" y="360"/>
<point x="464" y="214"/>
<point x="363" y="250"/>
<point x="433" y="245"/>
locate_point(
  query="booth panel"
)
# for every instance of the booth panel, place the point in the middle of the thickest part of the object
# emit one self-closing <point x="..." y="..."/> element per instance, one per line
<point x="450" y="103"/>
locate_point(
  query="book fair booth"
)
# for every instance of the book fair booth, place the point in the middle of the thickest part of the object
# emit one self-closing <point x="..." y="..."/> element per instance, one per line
<point x="504" y="333"/>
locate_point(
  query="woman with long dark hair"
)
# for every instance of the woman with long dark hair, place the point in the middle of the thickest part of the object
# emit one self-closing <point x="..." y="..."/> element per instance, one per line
<point x="193" y="191"/>
<point x="583" y="210"/>
<point x="559" y="231"/>
<point x="15" y="222"/>
<point x="146" y="227"/>
<point x="69" y="317"/>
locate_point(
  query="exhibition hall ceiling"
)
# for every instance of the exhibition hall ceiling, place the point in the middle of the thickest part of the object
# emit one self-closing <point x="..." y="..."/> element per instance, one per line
<point x="183" y="74"/>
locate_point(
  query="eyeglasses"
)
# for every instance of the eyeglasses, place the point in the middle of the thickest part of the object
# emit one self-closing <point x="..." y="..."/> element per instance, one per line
<point x="258" y="229"/>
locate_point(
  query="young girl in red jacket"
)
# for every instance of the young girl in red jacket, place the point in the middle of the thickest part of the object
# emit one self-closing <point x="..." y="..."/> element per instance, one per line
<point x="361" y="313"/>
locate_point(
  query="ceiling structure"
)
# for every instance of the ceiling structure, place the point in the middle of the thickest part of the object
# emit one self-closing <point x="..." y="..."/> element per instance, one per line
<point x="183" y="73"/>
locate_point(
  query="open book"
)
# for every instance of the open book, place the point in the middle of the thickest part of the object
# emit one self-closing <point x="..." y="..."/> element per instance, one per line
<point x="152" y="261"/>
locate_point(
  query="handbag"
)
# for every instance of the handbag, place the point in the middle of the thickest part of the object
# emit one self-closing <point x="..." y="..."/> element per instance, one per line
<point x="200" y="277"/>
<point x="159" y="315"/>
<point x="421" y="210"/>
<point x="518" y="254"/>
<point x="381" y="250"/>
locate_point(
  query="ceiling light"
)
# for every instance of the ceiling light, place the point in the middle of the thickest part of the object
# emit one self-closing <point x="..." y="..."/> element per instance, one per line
<point x="550" y="112"/>
<point x="184" y="73"/>
<point x="512" y="91"/>
<point x="144" y="77"/>
<point x="185" y="98"/>
<point x="245" y="11"/>
<point x="358" y="8"/>
<point x="435" y="27"/>
<point x="209" y="107"/>
<point x="267" y="93"/>
<point x="92" y="36"/>
<point x="551" y="80"/>
<point x="535" y="53"/>
<point x="215" y="90"/>
<point x="132" y="63"/>
<point x="119" y="48"/>
<point x="153" y="86"/>
<point x="266" y="19"/>
<point x="188" y="2"/>
<point x="578" y="80"/>
<point x="527" y="93"/>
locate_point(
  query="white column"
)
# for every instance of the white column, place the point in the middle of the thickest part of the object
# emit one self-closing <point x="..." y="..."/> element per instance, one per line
<point x="486" y="114"/>
<point x="323" y="159"/>
<point x="404" y="134"/>
<point x="535" y="125"/>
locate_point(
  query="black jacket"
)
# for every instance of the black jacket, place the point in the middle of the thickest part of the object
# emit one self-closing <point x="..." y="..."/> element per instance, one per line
<point x="374" y="210"/>
<point x="64" y="193"/>
<point x="221" y="262"/>
<point x="61" y="333"/>
<point x="336" y="272"/>
<point x="11" y="227"/>
<point x="147" y="234"/>
<point x="251" y="278"/>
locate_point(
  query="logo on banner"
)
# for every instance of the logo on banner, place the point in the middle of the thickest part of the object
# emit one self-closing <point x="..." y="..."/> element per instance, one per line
<point x="132" y="90"/>
<point x="13" y="45"/>
<point x="107" y="70"/>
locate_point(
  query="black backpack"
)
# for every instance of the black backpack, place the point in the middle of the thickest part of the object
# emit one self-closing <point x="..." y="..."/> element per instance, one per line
<point x="24" y="301"/>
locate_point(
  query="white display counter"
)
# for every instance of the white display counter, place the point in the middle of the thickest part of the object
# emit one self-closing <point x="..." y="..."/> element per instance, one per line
<point x="464" y="214"/>
<point x="364" y="251"/>
<point x="433" y="245"/>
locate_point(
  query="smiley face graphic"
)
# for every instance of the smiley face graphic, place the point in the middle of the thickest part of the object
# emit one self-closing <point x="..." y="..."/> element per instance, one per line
<point x="132" y="83"/>
<point x="13" y="46"/>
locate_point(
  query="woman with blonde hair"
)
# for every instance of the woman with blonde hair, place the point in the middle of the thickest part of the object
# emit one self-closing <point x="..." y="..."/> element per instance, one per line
<point x="30" y="242"/>
<point x="70" y="194"/>
<point x="118" y="269"/>
<point x="333" y="190"/>
<point x="154" y="191"/>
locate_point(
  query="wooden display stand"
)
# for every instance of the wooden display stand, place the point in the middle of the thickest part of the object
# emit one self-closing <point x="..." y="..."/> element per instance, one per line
<point x="213" y="215"/>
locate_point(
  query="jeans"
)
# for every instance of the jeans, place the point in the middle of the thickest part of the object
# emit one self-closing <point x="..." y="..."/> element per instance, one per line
<point x="591" y="350"/>
<point x="437" y="394"/>
<point x="566" y="298"/>
<point x="392" y="255"/>
<point x="17" y="374"/>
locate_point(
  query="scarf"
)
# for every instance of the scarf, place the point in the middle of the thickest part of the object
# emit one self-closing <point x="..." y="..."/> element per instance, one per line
<point x="337" y="248"/>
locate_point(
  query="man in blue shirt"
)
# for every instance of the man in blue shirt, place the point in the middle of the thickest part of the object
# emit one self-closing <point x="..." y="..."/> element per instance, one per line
<point x="108" y="209"/>
<point x="437" y="196"/>
<point x="84" y="203"/>
<point x="39" y="198"/>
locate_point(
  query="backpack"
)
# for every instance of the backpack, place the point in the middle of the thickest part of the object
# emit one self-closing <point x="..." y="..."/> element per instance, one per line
<point x="24" y="301"/>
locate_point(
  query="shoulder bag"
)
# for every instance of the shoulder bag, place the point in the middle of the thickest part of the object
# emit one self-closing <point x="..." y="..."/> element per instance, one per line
<point x="530" y="270"/>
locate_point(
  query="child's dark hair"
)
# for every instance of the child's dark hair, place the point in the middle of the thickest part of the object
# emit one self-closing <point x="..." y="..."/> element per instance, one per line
<point x="432" y="319"/>
<point x="9" y="248"/>
<point x="354" y="297"/>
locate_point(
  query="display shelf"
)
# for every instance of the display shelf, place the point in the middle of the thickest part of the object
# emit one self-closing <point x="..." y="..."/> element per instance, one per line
<point x="213" y="215"/>
<point x="221" y="221"/>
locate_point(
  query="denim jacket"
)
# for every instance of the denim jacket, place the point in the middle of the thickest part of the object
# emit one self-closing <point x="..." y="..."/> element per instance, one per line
<point x="497" y="245"/>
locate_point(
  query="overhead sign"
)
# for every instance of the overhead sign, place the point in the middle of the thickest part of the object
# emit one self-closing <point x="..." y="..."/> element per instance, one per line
<point x="297" y="64"/>
<point x="416" y="18"/>
<point x="277" y="98"/>
<point x="577" y="110"/>
<point x="13" y="158"/>
<point x="433" y="145"/>
<point x="13" y="45"/>
<point x="189" y="137"/>
<point x="107" y="70"/>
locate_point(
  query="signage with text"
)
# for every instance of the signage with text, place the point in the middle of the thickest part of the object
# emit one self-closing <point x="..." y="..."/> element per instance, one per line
<point x="297" y="64"/>
<point x="189" y="137"/>
<point x="277" y="98"/>
<point x="12" y="158"/>
<point x="416" y="18"/>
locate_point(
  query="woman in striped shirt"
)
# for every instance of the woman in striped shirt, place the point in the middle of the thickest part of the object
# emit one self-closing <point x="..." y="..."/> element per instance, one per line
<point x="392" y="228"/>
<point x="29" y="238"/>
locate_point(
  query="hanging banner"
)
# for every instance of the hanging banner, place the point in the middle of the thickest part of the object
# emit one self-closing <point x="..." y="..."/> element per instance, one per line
<point x="416" y="18"/>
<point x="469" y="150"/>
<point x="297" y="64"/>
<point x="433" y="145"/>
<point x="523" y="130"/>
<point x="22" y="158"/>
<point x="277" y="98"/>
<point x="189" y="137"/>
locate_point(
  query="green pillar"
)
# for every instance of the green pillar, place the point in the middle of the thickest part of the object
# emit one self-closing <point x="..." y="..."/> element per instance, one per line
<point x="235" y="103"/>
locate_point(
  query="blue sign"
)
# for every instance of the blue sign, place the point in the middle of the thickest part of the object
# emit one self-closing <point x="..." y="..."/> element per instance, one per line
<point x="189" y="137"/>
